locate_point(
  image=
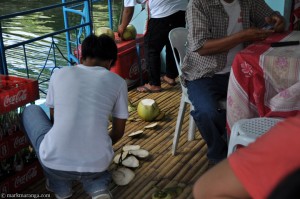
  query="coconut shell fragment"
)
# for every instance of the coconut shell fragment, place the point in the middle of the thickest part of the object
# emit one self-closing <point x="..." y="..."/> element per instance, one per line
<point x="130" y="161"/>
<point x="151" y="126"/>
<point x="140" y="153"/>
<point x="136" y="134"/>
<point x="118" y="159"/>
<point x="131" y="147"/>
<point x="122" y="176"/>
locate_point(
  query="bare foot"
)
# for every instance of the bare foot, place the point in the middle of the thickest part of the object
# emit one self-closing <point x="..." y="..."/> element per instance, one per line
<point x="147" y="88"/>
<point x="168" y="80"/>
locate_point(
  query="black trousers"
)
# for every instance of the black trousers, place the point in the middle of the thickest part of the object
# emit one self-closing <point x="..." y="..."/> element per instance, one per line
<point x="156" y="38"/>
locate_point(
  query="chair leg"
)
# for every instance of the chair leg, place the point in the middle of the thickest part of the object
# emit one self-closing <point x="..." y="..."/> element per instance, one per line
<point x="179" y="121"/>
<point x="192" y="129"/>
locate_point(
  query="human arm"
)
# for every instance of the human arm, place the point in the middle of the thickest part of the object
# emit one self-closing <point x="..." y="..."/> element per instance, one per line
<point x="119" y="114"/>
<point x="219" y="183"/>
<point x="50" y="98"/>
<point x="118" y="128"/>
<point x="126" y="18"/>
<point x="208" y="30"/>
<point x="52" y="115"/>
<point x="215" y="46"/>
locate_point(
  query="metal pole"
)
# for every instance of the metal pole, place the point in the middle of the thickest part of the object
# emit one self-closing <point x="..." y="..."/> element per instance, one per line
<point x="110" y="14"/>
<point x="3" y="64"/>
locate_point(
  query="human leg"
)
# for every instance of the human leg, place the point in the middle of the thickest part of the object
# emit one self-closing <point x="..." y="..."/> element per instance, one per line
<point x="36" y="125"/>
<point x="174" y="21"/>
<point x="97" y="185"/>
<point x="61" y="187"/>
<point x="204" y="94"/>
<point x="155" y="40"/>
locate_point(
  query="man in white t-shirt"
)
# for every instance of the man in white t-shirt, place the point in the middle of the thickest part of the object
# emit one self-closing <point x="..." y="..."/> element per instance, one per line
<point x="218" y="29"/>
<point x="75" y="144"/>
<point x="164" y="15"/>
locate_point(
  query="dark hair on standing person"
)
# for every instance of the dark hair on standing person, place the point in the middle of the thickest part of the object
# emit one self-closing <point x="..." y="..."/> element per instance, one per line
<point x="102" y="47"/>
<point x="289" y="187"/>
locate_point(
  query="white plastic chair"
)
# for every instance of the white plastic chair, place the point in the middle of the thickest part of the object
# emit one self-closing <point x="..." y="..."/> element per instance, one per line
<point x="246" y="131"/>
<point x="178" y="39"/>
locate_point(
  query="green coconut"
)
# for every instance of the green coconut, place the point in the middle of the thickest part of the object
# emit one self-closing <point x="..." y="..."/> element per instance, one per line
<point x="106" y="31"/>
<point x="148" y="110"/>
<point x="129" y="33"/>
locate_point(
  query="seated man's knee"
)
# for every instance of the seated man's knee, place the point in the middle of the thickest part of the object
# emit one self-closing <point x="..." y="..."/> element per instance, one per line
<point x="203" y="114"/>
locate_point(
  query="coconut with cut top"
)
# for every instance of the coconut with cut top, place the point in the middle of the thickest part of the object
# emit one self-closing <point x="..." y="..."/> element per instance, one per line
<point x="148" y="110"/>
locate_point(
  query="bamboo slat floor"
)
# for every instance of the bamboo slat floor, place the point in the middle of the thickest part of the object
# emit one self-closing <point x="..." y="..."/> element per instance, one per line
<point x="162" y="169"/>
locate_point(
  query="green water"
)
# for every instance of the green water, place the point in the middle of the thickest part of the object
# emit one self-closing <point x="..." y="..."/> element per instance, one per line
<point x="26" y="27"/>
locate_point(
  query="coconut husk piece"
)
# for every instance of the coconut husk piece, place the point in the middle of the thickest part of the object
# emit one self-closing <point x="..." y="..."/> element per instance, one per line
<point x="131" y="161"/>
<point x="131" y="147"/>
<point x="140" y="153"/>
<point x="151" y="126"/>
<point x="136" y="134"/>
<point x="122" y="176"/>
<point x="133" y="119"/>
<point x="160" y="116"/>
<point x="120" y="157"/>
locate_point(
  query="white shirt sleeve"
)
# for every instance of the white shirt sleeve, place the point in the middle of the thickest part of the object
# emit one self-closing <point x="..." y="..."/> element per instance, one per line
<point x="50" y="94"/>
<point x="129" y="3"/>
<point x="120" y="109"/>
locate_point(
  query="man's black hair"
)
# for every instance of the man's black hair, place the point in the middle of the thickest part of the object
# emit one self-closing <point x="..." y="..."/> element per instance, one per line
<point x="102" y="47"/>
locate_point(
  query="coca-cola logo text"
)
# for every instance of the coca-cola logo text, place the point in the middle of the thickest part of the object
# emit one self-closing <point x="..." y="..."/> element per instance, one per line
<point x="31" y="173"/>
<point x="3" y="150"/>
<point x="19" y="97"/>
<point x="20" y="141"/>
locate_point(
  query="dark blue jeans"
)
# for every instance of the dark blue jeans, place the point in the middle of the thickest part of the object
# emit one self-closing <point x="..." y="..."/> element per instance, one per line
<point x="204" y="94"/>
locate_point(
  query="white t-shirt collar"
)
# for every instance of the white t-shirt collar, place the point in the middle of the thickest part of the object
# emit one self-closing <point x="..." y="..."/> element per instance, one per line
<point x="90" y="67"/>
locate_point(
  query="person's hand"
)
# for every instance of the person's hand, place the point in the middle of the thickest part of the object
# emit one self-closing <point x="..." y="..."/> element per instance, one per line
<point x="255" y="34"/>
<point x="277" y="21"/>
<point x="121" y="30"/>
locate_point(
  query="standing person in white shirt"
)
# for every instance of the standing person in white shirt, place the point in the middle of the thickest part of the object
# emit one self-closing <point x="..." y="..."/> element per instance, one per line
<point x="75" y="144"/>
<point x="164" y="15"/>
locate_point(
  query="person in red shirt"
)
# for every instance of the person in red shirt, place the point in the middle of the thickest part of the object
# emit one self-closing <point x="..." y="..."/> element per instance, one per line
<point x="254" y="171"/>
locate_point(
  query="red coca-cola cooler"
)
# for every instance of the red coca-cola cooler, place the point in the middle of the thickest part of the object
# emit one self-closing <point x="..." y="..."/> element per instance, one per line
<point x="131" y="64"/>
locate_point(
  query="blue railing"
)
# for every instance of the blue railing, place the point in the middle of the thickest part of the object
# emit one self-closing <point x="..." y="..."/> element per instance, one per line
<point x="27" y="49"/>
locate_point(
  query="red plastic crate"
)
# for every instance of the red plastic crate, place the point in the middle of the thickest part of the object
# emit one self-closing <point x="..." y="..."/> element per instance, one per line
<point x="16" y="92"/>
<point x="11" y="144"/>
<point x="22" y="179"/>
